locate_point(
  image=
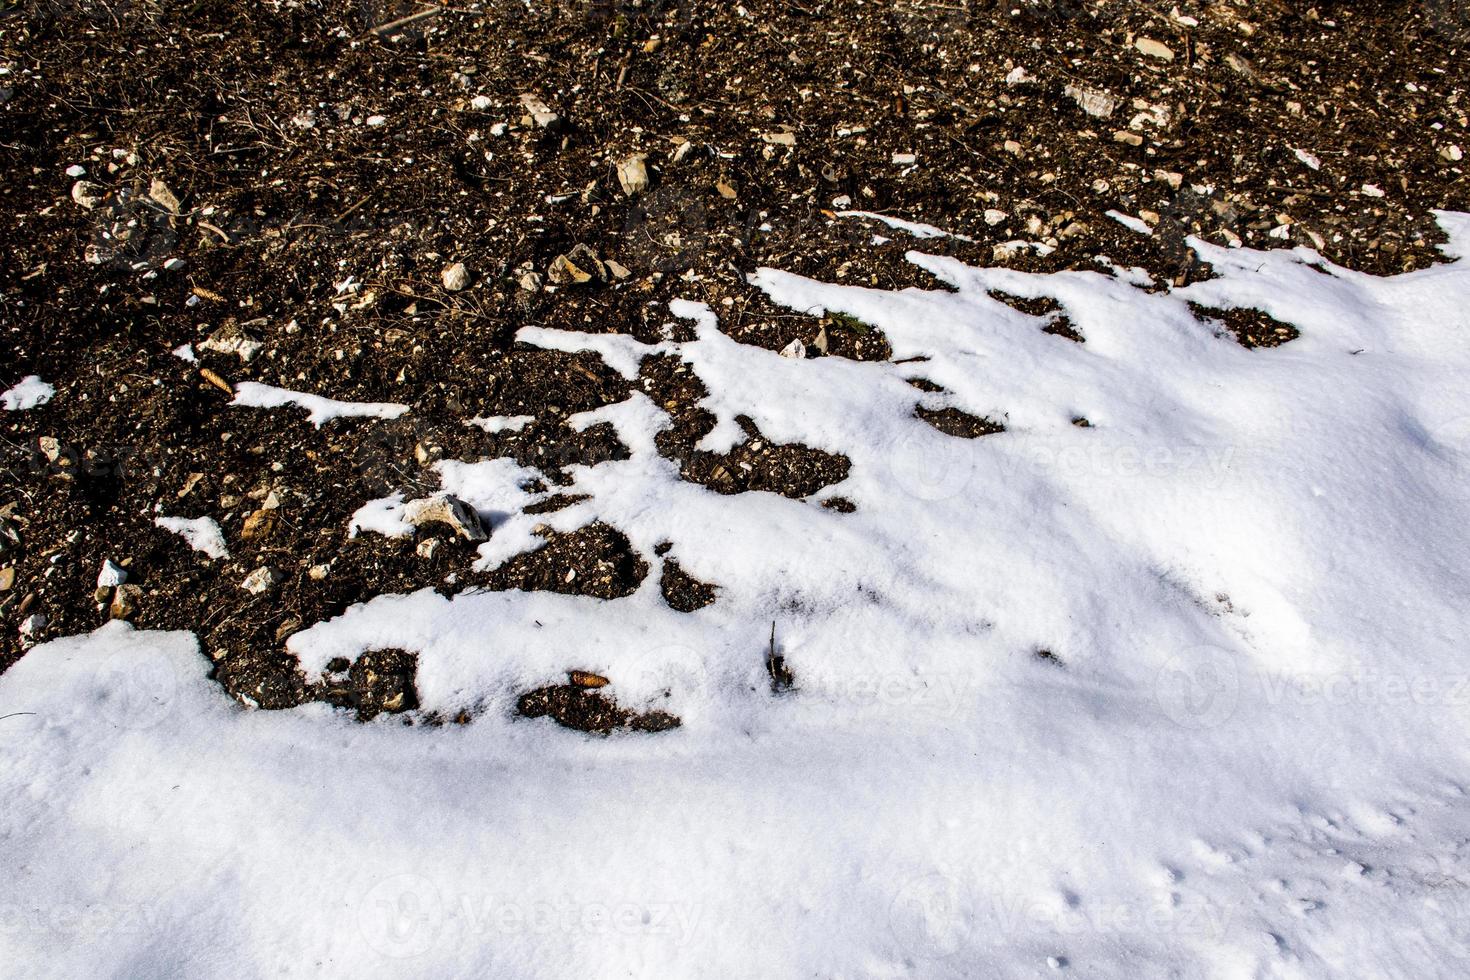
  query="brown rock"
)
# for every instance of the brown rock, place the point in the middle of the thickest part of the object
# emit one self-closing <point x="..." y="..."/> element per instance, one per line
<point x="125" y="602"/>
<point x="259" y="526"/>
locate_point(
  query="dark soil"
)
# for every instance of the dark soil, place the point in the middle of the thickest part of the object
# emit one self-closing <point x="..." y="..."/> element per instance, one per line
<point x="683" y="591"/>
<point x="957" y="423"/>
<point x="1250" y="327"/>
<point x="589" y="710"/>
<point x="237" y="176"/>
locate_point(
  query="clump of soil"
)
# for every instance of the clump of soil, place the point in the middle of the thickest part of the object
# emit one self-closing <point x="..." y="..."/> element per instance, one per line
<point x="683" y="591"/>
<point x="554" y="503"/>
<point x="1056" y="322"/>
<point x="958" y="423"/>
<point x="1060" y="326"/>
<point x="596" y="560"/>
<point x="376" y="682"/>
<point x="590" y="710"/>
<point x="1250" y="327"/>
<point x="792" y="470"/>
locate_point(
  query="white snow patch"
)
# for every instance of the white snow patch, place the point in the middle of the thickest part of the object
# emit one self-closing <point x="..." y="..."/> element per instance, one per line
<point x="382" y="516"/>
<point x="252" y="394"/>
<point x="492" y="488"/>
<point x="1131" y="223"/>
<point x="30" y="392"/>
<point x="1245" y="756"/>
<point x="915" y="228"/>
<point x="502" y="423"/>
<point x="201" y="533"/>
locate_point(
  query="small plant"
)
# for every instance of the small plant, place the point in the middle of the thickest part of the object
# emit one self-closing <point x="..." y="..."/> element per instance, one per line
<point x="782" y="679"/>
<point x="850" y="322"/>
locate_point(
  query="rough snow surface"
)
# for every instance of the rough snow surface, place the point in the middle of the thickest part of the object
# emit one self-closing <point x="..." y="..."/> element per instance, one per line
<point x="319" y="410"/>
<point x="30" y="392"/>
<point x="1244" y="753"/>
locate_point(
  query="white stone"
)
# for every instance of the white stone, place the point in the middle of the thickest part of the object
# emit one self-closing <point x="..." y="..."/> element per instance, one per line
<point x="1092" y="101"/>
<point x="1154" y="49"/>
<point x="633" y="175"/>
<point x="455" y="277"/>
<point x="87" y="194"/>
<point x="447" y="509"/>
<point x="262" y="580"/>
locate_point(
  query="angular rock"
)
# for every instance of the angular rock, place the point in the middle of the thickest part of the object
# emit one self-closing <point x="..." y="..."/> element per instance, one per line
<point x="159" y="193"/>
<point x="112" y="574"/>
<point x="125" y="602"/>
<point x="1094" y="102"/>
<point x="580" y="265"/>
<point x="633" y="175"/>
<point x="231" y="338"/>
<point x="261" y="524"/>
<point x="1154" y="49"/>
<point x="455" y="277"/>
<point x="87" y="194"/>
<point x="30" y="627"/>
<point x="444" y="508"/>
<point x="262" y="580"/>
<point x="539" y="111"/>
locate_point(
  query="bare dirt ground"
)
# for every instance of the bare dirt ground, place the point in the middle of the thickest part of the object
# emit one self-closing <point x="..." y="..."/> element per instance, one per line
<point x="300" y="178"/>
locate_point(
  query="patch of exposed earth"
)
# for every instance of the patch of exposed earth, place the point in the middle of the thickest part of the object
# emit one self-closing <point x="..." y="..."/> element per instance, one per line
<point x="288" y="195"/>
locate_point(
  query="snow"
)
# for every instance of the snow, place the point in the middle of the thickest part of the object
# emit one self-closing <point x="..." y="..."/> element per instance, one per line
<point x="1244" y="756"/>
<point x="201" y="533"/>
<point x="1131" y="223"/>
<point x="915" y="228"/>
<point x="319" y="410"/>
<point x="502" y="423"/>
<point x="30" y="392"/>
